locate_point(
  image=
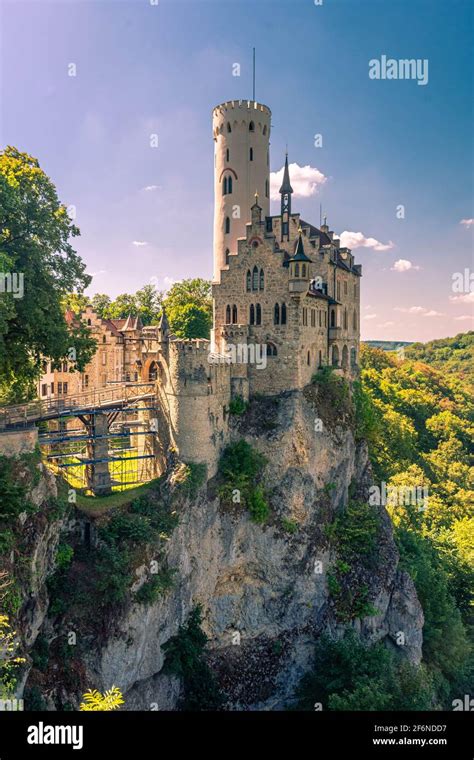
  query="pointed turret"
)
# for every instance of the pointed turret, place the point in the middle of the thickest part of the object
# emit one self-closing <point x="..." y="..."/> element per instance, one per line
<point x="286" y="185"/>
<point x="285" y="192"/>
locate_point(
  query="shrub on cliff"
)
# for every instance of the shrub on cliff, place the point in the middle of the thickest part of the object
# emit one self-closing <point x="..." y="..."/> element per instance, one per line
<point x="240" y="470"/>
<point x="185" y="658"/>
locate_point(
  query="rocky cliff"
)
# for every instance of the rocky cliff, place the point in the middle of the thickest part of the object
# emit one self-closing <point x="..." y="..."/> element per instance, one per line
<point x="267" y="592"/>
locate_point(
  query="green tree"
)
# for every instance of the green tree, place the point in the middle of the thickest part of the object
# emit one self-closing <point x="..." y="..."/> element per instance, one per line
<point x="188" y="306"/>
<point x="148" y="303"/>
<point x="35" y="232"/>
<point x="100" y="302"/>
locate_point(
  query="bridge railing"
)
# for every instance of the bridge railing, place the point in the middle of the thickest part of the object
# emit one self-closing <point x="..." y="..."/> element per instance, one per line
<point x="24" y="415"/>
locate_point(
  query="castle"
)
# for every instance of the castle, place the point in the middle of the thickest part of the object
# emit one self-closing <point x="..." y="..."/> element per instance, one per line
<point x="286" y="300"/>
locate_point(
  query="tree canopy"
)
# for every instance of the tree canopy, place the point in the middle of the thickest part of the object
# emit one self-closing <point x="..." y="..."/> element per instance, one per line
<point x="38" y="268"/>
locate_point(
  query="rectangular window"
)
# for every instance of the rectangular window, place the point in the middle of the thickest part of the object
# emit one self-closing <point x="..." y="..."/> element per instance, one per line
<point x="65" y="389"/>
<point x="338" y="291"/>
<point x="60" y="388"/>
<point x="325" y="320"/>
<point x="44" y="389"/>
<point x="86" y="381"/>
<point x="269" y="224"/>
<point x="345" y="287"/>
<point x="52" y="387"/>
<point x="320" y="318"/>
<point x="64" y="366"/>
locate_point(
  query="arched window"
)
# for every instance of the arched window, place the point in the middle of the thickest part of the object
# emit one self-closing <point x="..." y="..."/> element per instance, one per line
<point x="224" y="186"/>
<point x="333" y="318"/>
<point x="265" y="129"/>
<point x="227" y="315"/>
<point x="266" y="188"/>
<point x="258" y="319"/>
<point x="89" y="322"/>
<point x="262" y="280"/>
<point x="303" y="270"/>
<point x="251" y="154"/>
<point x="345" y="319"/>
<point x="234" y="314"/>
<point x="229" y="128"/>
<point x="227" y="254"/>
<point x="283" y="313"/>
<point x="248" y="280"/>
<point x="251" y="127"/>
<point x="104" y="339"/>
<point x="271" y="349"/>
<point x="229" y="185"/>
<point x="227" y="225"/>
<point x="227" y="154"/>
<point x="252" y="314"/>
<point x="276" y="314"/>
<point x="255" y="278"/>
<point x="297" y="270"/>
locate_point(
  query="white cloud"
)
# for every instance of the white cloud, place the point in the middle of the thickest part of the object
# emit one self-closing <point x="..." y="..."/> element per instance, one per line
<point x="411" y="310"/>
<point x="96" y="274"/>
<point x="433" y="313"/>
<point x="139" y="243"/>
<point x="359" y="240"/>
<point x="467" y="222"/>
<point x="150" y="188"/>
<point x="464" y="317"/>
<point x="464" y="298"/>
<point x="305" y="181"/>
<point x="370" y="316"/>
<point x="403" y="265"/>
<point x="162" y="283"/>
<point x="387" y="324"/>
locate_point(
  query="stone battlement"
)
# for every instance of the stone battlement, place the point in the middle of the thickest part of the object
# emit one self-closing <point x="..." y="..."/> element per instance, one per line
<point x="246" y="104"/>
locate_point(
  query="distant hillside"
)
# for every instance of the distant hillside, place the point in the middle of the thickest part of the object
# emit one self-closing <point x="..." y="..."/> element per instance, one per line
<point x="387" y="345"/>
<point x="453" y="356"/>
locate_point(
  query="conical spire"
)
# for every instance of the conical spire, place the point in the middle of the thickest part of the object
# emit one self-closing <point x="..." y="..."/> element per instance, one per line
<point x="286" y="186"/>
<point x="299" y="254"/>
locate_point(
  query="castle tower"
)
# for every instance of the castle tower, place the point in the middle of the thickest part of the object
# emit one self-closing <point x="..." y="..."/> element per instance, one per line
<point x="241" y="131"/>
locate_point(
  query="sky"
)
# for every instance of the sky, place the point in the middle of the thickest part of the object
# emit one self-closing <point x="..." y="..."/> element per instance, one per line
<point x="83" y="85"/>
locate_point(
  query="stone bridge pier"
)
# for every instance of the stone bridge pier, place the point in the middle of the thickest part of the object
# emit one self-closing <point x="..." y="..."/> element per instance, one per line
<point x="97" y="472"/>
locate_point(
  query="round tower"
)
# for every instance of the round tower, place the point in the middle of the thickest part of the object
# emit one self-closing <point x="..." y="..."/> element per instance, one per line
<point x="241" y="131"/>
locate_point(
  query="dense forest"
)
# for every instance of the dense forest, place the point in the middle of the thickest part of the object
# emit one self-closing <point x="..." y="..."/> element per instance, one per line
<point x="419" y="424"/>
<point x="454" y="356"/>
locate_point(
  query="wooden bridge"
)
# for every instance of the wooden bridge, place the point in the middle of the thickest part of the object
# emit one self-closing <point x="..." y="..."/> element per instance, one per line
<point x="117" y="397"/>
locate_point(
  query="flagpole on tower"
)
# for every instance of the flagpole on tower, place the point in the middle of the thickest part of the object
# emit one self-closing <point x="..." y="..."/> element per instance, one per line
<point x="254" y="75"/>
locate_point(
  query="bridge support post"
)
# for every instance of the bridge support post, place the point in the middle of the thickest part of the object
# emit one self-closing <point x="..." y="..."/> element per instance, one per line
<point x="97" y="474"/>
<point x="148" y="469"/>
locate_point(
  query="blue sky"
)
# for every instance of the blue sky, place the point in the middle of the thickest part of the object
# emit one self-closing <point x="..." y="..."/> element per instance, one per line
<point x="143" y="69"/>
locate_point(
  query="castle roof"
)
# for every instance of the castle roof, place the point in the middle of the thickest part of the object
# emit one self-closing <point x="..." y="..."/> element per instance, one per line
<point x="285" y="185"/>
<point x="299" y="254"/>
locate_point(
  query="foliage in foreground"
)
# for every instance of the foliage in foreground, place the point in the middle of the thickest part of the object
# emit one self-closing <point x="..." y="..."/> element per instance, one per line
<point x="94" y="701"/>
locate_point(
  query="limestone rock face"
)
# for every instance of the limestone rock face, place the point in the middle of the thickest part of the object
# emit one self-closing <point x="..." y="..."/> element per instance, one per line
<point x="264" y="605"/>
<point x="263" y="589"/>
